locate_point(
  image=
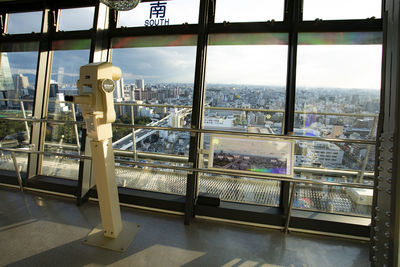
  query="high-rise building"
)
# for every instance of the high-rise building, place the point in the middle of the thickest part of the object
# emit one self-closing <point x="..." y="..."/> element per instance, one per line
<point x="20" y="81"/>
<point x="119" y="90"/>
<point x="6" y="80"/>
<point x="60" y="75"/>
<point x="140" y="84"/>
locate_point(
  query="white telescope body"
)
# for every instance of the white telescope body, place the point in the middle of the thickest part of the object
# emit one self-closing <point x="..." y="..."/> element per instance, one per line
<point x="96" y="85"/>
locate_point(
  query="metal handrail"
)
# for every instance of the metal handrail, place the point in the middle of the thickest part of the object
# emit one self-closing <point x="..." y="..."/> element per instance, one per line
<point x="218" y="108"/>
<point x="278" y="136"/>
<point x="185" y="159"/>
<point x="190" y="169"/>
<point x="205" y="131"/>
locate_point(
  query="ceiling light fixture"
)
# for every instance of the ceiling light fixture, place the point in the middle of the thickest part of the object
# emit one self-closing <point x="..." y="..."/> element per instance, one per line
<point x="121" y="5"/>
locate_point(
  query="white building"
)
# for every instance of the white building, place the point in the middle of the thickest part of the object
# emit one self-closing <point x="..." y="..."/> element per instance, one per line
<point x="326" y="154"/>
<point x="217" y="122"/>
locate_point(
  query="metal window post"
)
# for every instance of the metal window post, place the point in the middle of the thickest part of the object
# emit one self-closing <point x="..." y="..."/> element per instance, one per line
<point x="292" y="17"/>
<point x="43" y="76"/>
<point x="197" y="112"/>
<point x="385" y="224"/>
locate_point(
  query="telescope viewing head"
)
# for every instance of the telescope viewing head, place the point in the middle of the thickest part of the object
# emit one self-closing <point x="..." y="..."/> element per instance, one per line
<point x="96" y="86"/>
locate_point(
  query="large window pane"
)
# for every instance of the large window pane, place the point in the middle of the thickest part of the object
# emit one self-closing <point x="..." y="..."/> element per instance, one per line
<point x="64" y="137"/>
<point x="17" y="90"/>
<point x="246" y="83"/>
<point x="69" y="21"/>
<point x="25" y="22"/>
<point x="341" y="9"/>
<point x="337" y="97"/>
<point x="156" y="90"/>
<point x="161" y="13"/>
<point x="338" y="85"/>
<point x="250" y="10"/>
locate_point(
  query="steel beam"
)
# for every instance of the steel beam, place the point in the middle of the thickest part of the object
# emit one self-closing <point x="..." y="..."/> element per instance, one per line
<point x="385" y="230"/>
<point x="43" y="76"/>
<point x="198" y="109"/>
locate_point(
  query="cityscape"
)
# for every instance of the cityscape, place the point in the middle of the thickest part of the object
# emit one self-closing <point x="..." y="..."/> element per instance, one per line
<point x="320" y="113"/>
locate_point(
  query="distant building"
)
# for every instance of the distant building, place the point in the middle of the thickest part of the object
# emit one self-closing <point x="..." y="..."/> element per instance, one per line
<point x="20" y="81"/>
<point x="7" y="87"/>
<point x="319" y="153"/>
<point x="176" y="119"/>
<point x="60" y="75"/>
<point x="328" y="154"/>
<point x="6" y="80"/>
<point x="53" y="89"/>
<point x="260" y="118"/>
<point x="216" y="122"/>
<point x="140" y="84"/>
<point x="251" y="118"/>
<point x="119" y="90"/>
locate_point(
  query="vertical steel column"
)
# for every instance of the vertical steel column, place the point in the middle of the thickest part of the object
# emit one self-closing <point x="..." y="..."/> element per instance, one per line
<point x="292" y="18"/>
<point x="98" y="53"/>
<point x="385" y="226"/>
<point x="43" y="76"/>
<point x="197" y="111"/>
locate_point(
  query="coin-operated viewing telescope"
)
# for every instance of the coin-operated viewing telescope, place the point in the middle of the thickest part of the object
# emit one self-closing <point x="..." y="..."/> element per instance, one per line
<point x="96" y="86"/>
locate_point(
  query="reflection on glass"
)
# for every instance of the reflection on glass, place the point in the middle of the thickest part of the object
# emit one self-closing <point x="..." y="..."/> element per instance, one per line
<point x="161" y="13"/>
<point x="25" y="22"/>
<point x="17" y="91"/>
<point x="241" y="190"/>
<point x="341" y="9"/>
<point x="151" y="179"/>
<point x="334" y="199"/>
<point x="17" y="82"/>
<point x="338" y="91"/>
<point x="60" y="166"/>
<point x="6" y="162"/>
<point x="248" y="11"/>
<point x="69" y="21"/>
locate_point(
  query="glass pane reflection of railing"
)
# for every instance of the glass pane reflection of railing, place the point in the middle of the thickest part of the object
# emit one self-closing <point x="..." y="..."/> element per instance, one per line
<point x="241" y="189"/>
<point x="60" y="166"/>
<point x="6" y="161"/>
<point x="14" y="134"/>
<point x="334" y="199"/>
<point x="151" y="179"/>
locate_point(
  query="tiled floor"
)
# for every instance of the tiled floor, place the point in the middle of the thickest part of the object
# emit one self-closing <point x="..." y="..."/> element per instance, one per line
<point x="41" y="230"/>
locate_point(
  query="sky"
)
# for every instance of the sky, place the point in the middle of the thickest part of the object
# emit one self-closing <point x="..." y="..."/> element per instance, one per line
<point x="333" y="66"/>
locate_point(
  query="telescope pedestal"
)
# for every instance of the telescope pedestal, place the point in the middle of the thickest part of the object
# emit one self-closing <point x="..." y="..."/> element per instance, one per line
<point x="121" y="243"/>
<point x="114" y="234"/>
